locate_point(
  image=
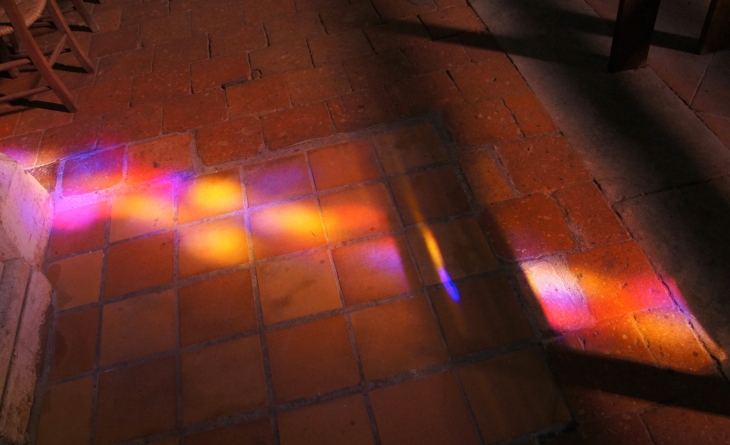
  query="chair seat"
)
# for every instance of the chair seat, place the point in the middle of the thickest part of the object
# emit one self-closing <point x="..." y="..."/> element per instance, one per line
<point x="30" y="9"/>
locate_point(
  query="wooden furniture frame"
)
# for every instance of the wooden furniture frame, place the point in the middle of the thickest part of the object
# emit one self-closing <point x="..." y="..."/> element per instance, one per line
<point x="34" y="56"/>
<point x="635" y="24"/>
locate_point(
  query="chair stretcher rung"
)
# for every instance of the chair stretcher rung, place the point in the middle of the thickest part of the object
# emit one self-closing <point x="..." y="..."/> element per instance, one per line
<point x="24" y="94"/>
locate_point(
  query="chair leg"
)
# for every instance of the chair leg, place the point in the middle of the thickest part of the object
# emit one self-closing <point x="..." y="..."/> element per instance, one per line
<point x="86" y="15"/>
<point x="55" y="13"/>
<point x="36" y="56"/>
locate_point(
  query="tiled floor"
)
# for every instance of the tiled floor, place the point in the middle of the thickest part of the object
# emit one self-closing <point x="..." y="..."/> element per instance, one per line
<point x="373" y="234"/>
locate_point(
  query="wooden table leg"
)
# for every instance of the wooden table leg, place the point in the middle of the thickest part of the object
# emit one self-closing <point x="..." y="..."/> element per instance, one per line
<point x="632" y="34"/>
<point x="716" y="32"/>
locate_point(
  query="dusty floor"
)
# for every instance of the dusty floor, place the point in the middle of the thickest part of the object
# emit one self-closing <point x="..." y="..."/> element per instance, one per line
<point x="328" y="222"/>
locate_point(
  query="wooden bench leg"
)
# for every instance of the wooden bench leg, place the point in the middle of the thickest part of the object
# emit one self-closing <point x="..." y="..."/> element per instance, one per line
<point x="716" y="32"/>
<point x="632" y="34"/>
<point x="55" y="13"/>
<point x="86" y="15"/>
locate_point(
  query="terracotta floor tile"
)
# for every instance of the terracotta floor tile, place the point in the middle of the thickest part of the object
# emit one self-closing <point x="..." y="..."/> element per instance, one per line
<point x="257" y="432"/>
<point x="421" y="94"/>
<point x="530" y="114"/>
<point x="512" y="395"/>
<point x="124" y="65"/>
<point x="375" y="269"/>
<point x="212" y="17"/>
<point x="288" y="127"/>
<point x="349" y="16"/>
<point x="545" y="163"/>
<point x="293" y="26"/>
<point x="77" y="280"/>
<point x="343" y="164"/>
<point x="527" y="227"/>
<point x="287" y="56"/>
<point x="626" y="429"/>
<point x="396" y="35"/>
<point x="256" y="11"/>
<point x="429" y="195"/>
<point x="165" y="29"/>
<point x="138" y="213"/>
<point x="428" y="410"/>
<point x="213" y="73"/>
<point x="673" y="425"/>
<point x="318" y="5"/>
<point x="485" y="180"/>
<point x="161" y="85"/>
<point x="100" y="99"/>
<point x="361" y="110"/>
<point x="277" y="180"/>
<point x="137" y="327"/>
<point x="35" y="119"/>
<point x="212" y="245"/>
<point x="258" y="96"/>
<point x="236" y="40"/>
<point x="210" y="107"/>
<point x="216" y="308"/>
<point x="74" y="343"/>
<point x="46" y="175"/>
<point x="427" y="56"/>
<point x="396" y="9"/>
<point x="77" y="230"/>
<point x="97" y="172"/>
<point x="617" y="280"/>
<point x="481" y="46"/>
<point x="137" y="13"/>
<point x="230" y="140"/>
<point x="317" y="84"/>
<point x="335" y="48"/>
<point x="409" y="148"/>
<point x="209" y="195"/>
<point x="451" y="21"/>
<point x="358" y="212"/>
<point x="68" y="140"/>
<point x="451" y="250"/>
<point x="66" y="413"/>
<point x="136" y="402"/>
<point x="139" y="264"/>
<point x="23" y="149"/>
<point x="158" y="158"/>
<point x="481" y="123"/>
<point x="487" y="80"/>
<point x="297" y="287"/>
<point x="112" y="42"/>
<point x="373" y="71"/>
<point x="180" y="52"/>
<point x="131" y="124"/>
<point x="483" y="314"/>
<point x="223" y="379"/>
<point x="335" y="422"/>
<point x="311" y="358"/>
<point x="397" y="337"/>
<point x="286" y="228"/>
<point x="672" y="342"/>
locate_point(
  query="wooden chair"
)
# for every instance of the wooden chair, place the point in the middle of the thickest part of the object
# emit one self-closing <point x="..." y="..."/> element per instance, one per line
<point x="88" y="18"/>
<point x="20" y="14"/>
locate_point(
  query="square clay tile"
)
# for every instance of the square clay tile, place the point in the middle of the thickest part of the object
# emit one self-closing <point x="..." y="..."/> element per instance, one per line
<point x="68" y="140"/>
<point x="131" y="124"/>
<point x="451" y="21"/>
<point x="165" y="29"/>
<point x="142" y="212"/>
<point x="358" y="14"/>
<point x="211" y="17"/>
<point x="430" y="194"/>
<point x="513" y="395"/>
<point x="23" y="149"/>
<point x="481" y="46"/>
<point x="66" y="413"/>
<point x="239" y="39"/>
<point x="287" y="56"/>
<point x="485" y="180"/>
<point x="277" y="180"/>
<point x="136" y="402"/>
<point x="159" y="157"/>
<point x="46" y="175"/>
<point x="78" y="229"/>
<point x="257" y="432"/>
<point x="427" y="56"/>
<point x="527" y="227"/>
<point x="343" y="164"/>
<point x="544" y="163"/>
<point x="481" y="123"/>
<point x="135" y="14"/>
<point x="74" y="343"/>
<point x="373" y="71"/>
<point x="409" y="148"/>
<point x="223" y="379"/>
<point x="451" y="250"/>
<point x="259" y="11"/>
<point x="289" y="127"/>
<point x="137" y="327"/>
<point x="293" y="27"/>
<point x="213" y="73"/>
<point x="398" y="337"/>
<point x="361" y="110"/>
<point x="617" y="280"/>
<point x="112" y="42"/>
<point x="213" y="245"/>
<point x="99" y="171"/>
<point x="257" y="96"/>
<point x="103" y="98"/>
<point x="286" y="228"/>
<point x="428" y="410"/>
<point x="210" y="107"/>
<point x="391" y="10"/>
<point x="139" y="264"/>
<point x="617" y="337"/>
<point x="358" y="212"/>
<point x="482" y="314"/>
<point x="420" y="94"/>
<point x="375" y="269"/>
<point x="161" y="85"/>
<point x="120" y="66"/>
<point x="396" y="35"/>
<point x="530" y="114"/>
<point x="317" y="84"/>
<point x="209" y="195"/>
<point x="296" y="287"/>
<point x="230" y="140"/>
<point x="330" y="423"/>
<point x="311" y="358"/>
<point x="334" y="48"/>
<point x="488" y="80"/>
<point x="77" y="280"/>
<point x="217" y="307"/>
<point x="180" y="52"/>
